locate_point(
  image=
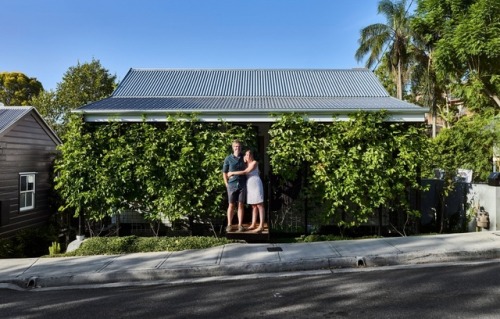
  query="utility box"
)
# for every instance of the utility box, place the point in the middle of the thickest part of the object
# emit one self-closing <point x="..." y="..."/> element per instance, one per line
<point x="494" y="179"/>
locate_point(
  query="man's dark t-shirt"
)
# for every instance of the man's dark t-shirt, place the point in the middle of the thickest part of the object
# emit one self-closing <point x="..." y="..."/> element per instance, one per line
<point x="234" y="164"/>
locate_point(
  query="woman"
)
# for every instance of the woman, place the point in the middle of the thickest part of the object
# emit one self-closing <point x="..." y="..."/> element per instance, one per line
<point x="255" y="190"/>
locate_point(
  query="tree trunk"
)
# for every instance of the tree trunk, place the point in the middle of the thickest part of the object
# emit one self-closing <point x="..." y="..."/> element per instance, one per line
<point x="306" y="204"/>
<point x="380" y="221"/>
<point x="494" y="97"/>
<point x="434" y="114"/>
<point x="399" y="84"/>
<point x="433" y="123"/>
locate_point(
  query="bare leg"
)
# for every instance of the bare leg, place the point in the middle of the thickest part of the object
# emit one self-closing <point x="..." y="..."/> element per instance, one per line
<point x="230" y="214"/>
<point x="261" y="217"/>
<point x="254" y="217"/>
<point x="241" y="211"/>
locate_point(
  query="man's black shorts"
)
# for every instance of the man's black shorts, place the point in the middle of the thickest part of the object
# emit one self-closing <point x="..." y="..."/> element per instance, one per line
<point x="236" y="193"/>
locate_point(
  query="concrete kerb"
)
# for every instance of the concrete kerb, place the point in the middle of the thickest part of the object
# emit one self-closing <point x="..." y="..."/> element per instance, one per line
<point x="169" y="274"/>
<point x="426" y="257"/>
<point x="332" y="260"/>
<point x="331" y="263"/>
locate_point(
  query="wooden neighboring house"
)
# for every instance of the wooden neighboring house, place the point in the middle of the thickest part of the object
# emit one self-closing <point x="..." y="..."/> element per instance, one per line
<point x="27" y="150"/>
<point x="245" y="96"/>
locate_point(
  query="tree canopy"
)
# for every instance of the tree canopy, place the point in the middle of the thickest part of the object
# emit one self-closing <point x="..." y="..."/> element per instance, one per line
<point x="467" y="145"/>
<point x="85" y="83"/>
<point x="17" y="89"/>
<point x="390" y="41"/>
<point x="465" y="35"/>
<point x="81" y="84"/>
<point x="446" y="50"/>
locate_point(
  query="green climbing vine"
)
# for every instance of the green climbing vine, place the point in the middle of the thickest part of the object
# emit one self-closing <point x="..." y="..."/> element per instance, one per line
<point x="162" y="170"/>
<point x="359" y="165"/>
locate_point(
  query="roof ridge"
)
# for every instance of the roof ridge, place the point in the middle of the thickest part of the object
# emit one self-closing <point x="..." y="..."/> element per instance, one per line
<point x="8" y="118"/>
<point x="15" y="107"/>
<point x="248" y="69"/>
<point x="241" y="97"/>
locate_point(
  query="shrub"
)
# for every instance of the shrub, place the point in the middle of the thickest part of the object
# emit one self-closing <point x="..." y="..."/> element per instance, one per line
<point x="33" y="242"/>
<point x="134" y="244"/>
<point x="6" y="248"/>
<point x="29" y="242"/>
<point x="316" y="237"/>
<point x="55" y="249"/>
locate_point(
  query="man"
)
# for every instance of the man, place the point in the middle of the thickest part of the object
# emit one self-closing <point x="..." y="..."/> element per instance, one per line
<point x="235" y="185"/>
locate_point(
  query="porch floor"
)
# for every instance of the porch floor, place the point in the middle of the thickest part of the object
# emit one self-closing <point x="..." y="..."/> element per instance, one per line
<point x="249" y="235"/>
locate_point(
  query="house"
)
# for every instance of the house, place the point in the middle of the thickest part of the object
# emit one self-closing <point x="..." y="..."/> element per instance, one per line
<point x="245" y="96"/>
<point x="252" y="95"/>
<point x="27" y="150"/>
<point x="248" y="96"/>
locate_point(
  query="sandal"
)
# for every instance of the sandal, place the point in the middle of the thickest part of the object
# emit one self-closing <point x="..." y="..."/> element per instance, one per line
<point x="229" y="228"/>
<point x="259" y="231"/>
<point x="241" y="228"/>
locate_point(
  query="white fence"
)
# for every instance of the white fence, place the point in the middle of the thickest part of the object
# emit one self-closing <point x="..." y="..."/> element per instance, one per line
<point x="488" y="197"/>
<point x="459" y="207"/>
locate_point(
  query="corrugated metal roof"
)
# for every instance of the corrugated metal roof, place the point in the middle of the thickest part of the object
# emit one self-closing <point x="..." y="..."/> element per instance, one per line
<point x="248" y="93"/>
<point x="268" y="104"/>
<point x="11" y="114"/>
<point x="250" y="83"/>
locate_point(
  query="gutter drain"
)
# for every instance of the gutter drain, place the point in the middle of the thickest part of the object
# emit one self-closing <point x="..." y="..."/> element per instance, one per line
<point x="31" y="282"/>
<point x="361" y="262"/>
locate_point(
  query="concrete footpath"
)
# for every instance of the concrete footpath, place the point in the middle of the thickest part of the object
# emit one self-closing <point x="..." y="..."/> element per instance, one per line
<point x="241" y="259"/>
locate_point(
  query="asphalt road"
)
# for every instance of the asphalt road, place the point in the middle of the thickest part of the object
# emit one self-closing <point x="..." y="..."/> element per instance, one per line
<point x="470" y="290"/>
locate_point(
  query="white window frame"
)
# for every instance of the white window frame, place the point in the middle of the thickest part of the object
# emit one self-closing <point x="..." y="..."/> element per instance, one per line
<point x="27" y="192"/>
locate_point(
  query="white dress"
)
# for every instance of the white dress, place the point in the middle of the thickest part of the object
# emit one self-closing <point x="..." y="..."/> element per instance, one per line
<point x="255" y="189"/>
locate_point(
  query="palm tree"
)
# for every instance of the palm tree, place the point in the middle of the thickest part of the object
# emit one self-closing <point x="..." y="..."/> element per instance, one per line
<point x="425" y="82"/>
<point x="391" y="39"/>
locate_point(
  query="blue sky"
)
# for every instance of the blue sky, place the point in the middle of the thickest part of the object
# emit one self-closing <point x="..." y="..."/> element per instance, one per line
<point x="43" y="38"/>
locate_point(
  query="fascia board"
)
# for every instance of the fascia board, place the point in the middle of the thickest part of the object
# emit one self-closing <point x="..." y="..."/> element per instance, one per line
<point x="241" y="117"/>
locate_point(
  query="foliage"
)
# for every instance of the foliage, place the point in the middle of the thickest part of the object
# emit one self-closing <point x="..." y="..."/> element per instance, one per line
<point x="81" y="84"/>
<point x="54" y="249"/>
<point x="76" y="170"/>
<point x="358" y="165"/>
<point x="465" y="35"/>
<point x="16" y="89"/>
<point x="29" y="242"/>
<point x="452" y="52"/>
<point x="390" y="40"/>
<point x="85" y="83"/>
<point x="134" y="244"/>
<point x="292" y="142"/>
<point x="317" y="237"/>
<point x="385" y="77"/>
<point x="427" y="89"/>
<point x="46" y="105"/>
<point x="367" y="164"/>
<point x="7" y="249"/>
<point x="468" y="145"/>
<point x="168" y="170"/>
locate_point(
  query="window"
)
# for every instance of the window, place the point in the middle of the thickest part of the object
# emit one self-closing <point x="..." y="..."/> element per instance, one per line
<point x="27" y="191"/>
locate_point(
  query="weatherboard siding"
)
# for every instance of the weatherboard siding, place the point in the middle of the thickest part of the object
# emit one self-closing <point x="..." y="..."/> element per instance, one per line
<point x="25" y="147"/>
